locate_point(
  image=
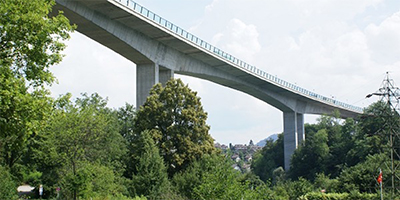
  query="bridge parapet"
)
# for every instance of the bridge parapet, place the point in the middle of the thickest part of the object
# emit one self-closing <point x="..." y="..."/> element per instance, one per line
<point x="159" y="49"/>
<point x="233" y="61"/>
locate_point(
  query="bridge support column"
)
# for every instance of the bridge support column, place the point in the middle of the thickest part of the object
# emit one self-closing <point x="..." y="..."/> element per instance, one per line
<point x="300" y="128"/>
<point x="147" y="75"/>
<point x="293" y="134"/>
<point x="164" y="75"/>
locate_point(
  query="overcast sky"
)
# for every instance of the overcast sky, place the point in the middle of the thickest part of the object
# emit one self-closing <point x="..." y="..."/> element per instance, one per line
<point x="336" y="48"/>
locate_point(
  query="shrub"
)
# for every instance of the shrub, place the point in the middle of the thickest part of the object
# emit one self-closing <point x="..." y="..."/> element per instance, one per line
<point x="339" y="196"/>
<point x="8" y="188"/>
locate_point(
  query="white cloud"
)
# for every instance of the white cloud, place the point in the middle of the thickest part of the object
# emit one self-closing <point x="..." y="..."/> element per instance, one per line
<point x="89" y="67"/>
<point x="335" y="48"/>
<point x="216" y="38"/>
<point x="384" y="39"/>
<point x="210" y="7"/>
<point x="239" y="39"/>
<point x="317" y="45"/>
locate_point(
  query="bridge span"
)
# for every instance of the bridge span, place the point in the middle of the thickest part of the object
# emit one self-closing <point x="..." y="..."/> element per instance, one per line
<point x="159" y="49"/>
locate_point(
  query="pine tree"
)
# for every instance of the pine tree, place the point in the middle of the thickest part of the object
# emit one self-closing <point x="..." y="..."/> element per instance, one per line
<point x="151" y="177"/>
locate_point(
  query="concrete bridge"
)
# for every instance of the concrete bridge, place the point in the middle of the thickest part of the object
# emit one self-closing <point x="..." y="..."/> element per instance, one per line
<point x="159" y="49"/>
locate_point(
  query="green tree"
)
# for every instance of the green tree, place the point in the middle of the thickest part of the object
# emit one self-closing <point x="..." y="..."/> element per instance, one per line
<point x="92" y="180"/>
<point x="175" y="117"/>
<point x="323" y="182"/>
<point x="268" y="159"/>
<point x="340" y="141"/>
<point x="126" y="116"/>
<point x="30" y="42"/>
<point x="185" y="181"/>
<point x="212" y="177"/>
<point x="251" y="143"/>
<point x="22" y="115"/>
<point x="363" y="176"/>
<point x="308" y="159"/>
<point x="80" y="138"/>
<point x="8" y="188"/>
<point x="220" y="183"/>
<point x="335" y="142"/>
<point x="293" y="189"/>
<point x="372" y="135"/>
<point x="151" y="178"/>
<point x="278" y="175"/>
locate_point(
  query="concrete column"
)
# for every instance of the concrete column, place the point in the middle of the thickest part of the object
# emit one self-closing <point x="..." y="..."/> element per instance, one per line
<point x="165" y="75"/>
<point x="300" y="128"/>
<point x="289" y="136"/>
<point x="293" y="134"/>
<point x="147" y="75"/>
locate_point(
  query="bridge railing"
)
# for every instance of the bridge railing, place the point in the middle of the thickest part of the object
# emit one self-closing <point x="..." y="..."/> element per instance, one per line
<point x="228" y="57"/>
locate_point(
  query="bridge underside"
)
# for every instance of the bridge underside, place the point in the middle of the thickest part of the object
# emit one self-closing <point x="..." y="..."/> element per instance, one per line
<point x="159" y="54"/>
<point x="148" y="75"/>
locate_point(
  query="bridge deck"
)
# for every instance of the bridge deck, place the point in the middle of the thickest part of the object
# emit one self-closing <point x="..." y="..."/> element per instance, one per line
<point x="140" y="19"/>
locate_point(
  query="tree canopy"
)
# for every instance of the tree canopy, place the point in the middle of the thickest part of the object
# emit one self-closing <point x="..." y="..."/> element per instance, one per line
<point x="268" y="159"/>
<point x="30" y="42"/>
<point x="151" y="178"/>
<point x="82" y="146"/>
<point x="164" y="150"/>
<point x="177" y="122"/>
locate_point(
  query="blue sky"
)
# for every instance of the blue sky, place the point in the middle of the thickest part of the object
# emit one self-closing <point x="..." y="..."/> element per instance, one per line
<point x="337" y="48"/>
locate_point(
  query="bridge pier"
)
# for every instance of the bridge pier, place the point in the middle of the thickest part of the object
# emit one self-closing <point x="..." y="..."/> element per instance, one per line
<point x="293" y="134"/>
<point x="140" y="39"/>
<point x="147" y="75"/>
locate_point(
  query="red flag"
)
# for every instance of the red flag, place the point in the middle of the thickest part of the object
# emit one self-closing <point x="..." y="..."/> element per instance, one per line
<point x="380" y="177"/>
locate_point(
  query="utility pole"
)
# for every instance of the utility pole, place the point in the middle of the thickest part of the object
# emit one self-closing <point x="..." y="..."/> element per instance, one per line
<point x="390" y="94"/>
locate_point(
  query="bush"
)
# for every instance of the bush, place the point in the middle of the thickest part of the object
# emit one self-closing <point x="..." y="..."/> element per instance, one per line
<point x="323" y="182"/>
<point x="91" y="181"/>
<point x="362" y="177"/>
<point x="339" y="196"/>
<point x="292" y="189"/>
<point x="8" y="188"/>
<point x="119" y="197"/>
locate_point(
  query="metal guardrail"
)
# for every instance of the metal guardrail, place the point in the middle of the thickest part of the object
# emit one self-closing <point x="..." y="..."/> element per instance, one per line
<point x="228" y="57"/>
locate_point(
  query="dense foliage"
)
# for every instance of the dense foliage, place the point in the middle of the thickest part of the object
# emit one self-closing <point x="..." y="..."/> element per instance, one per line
<point x="151" y="177"/>
<point x="338" y="155"/>
<point x="30" y="42"/>
<point x="175" y="118"/>
<point x="268" y="159"/>
<point x="7" y="185"/>
<point x="82" y="146"/>
<point x="81" y="149"/>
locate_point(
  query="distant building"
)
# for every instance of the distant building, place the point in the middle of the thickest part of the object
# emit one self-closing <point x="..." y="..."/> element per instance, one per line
<point x="223" y="147"/>
<point x="236" y="167"/>
<point x="235" y="158"/>
<point x="255" y="148"/>
<point x="240" y="147"/>
<point x="246" y="168"/>
<point x="248" y="158"/>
